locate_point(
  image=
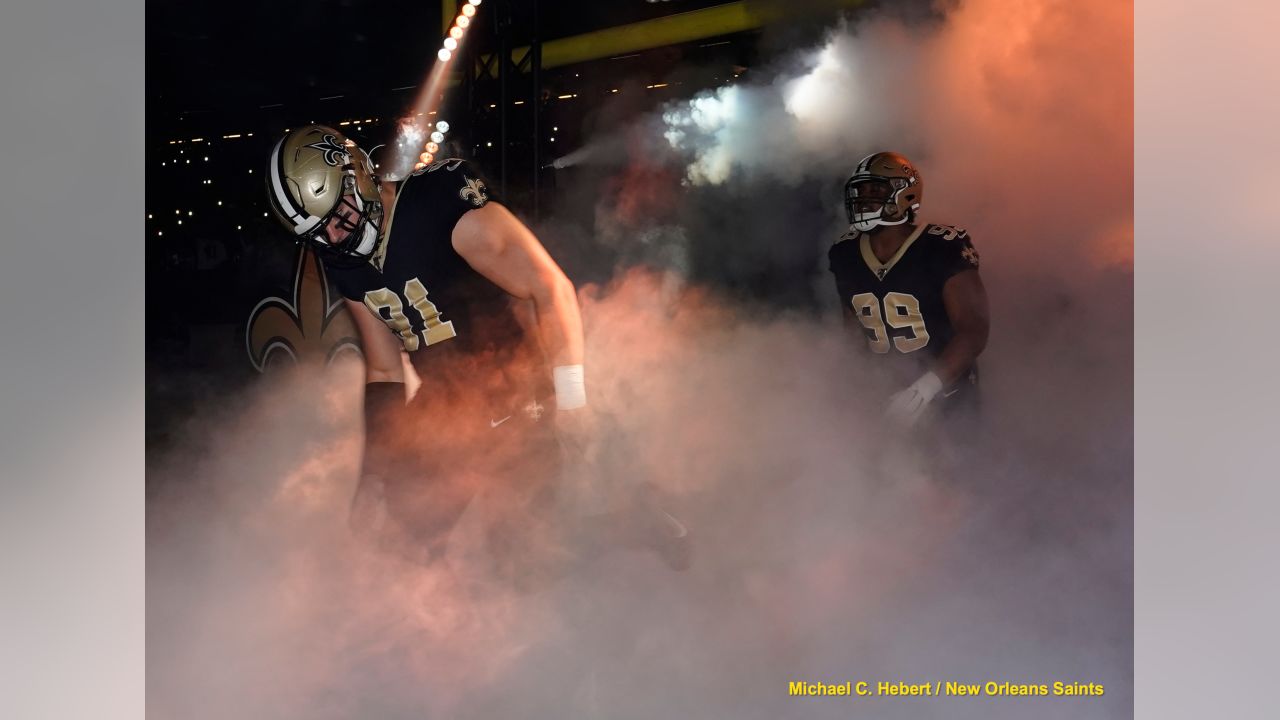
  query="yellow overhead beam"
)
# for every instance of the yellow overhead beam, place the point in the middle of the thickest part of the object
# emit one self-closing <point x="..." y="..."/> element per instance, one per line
<point x="671" y="30"/>
<point x="668" y="30"/>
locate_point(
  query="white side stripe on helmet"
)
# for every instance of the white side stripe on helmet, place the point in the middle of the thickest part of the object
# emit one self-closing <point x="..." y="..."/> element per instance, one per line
<point x="302" y="221"/>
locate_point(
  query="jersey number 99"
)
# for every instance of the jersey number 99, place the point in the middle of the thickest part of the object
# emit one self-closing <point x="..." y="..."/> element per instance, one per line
<point x="901" y="310"/>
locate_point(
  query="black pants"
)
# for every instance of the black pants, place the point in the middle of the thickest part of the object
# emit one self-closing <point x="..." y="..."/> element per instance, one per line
<point x="955" y="435"/>
<point x="513" y="459"/>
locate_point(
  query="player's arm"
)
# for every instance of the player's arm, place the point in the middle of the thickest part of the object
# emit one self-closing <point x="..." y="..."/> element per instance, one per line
<point x="966" y="303"/>
<point x="380" y="347"/>
<point x="498" y="246"/>
<point x="965" y="300"/>
<point x="384" y="397"/>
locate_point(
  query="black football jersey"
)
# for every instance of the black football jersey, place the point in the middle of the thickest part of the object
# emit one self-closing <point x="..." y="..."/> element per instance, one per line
<point x="899" y="302"/>
<point x="450" y="318"/>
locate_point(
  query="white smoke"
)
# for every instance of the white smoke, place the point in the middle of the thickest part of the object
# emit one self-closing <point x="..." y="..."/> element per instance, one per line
<point x="805" y="122"/>
<point x="759" y="418"/>
<point x="1029" y="94"/>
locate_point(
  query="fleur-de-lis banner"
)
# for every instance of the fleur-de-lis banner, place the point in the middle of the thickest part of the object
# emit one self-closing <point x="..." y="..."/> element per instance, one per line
<point x="311" y="327"/>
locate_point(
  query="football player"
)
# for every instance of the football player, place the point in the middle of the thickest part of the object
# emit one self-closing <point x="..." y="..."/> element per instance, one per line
<point x="913" y="289"/>
<point x="436" y="267"/>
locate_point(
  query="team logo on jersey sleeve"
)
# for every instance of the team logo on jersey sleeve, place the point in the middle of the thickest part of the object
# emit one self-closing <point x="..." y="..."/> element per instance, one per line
<point x="474" y="192"/>
<point x="971" y="255"/>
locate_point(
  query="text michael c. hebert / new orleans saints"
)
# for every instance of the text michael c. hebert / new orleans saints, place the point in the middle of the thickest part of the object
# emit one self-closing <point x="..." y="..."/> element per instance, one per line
<point x="990" y="688"/>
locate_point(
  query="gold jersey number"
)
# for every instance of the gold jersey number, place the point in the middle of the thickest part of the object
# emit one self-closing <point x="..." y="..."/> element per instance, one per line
<point x="434" y="329"/>
<point x="900" y="310"/>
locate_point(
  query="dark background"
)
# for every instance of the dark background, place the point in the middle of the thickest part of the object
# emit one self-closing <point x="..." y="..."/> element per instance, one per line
<point x="224" y="80"/>
<point x="240" y="68"/>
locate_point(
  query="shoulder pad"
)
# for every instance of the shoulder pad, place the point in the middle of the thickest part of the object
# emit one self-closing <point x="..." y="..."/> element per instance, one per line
<point x="448" y="164"/>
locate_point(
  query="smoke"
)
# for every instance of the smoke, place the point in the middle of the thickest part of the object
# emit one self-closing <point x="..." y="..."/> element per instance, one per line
<point x="722" y="374"/>
<point x="999" y="99"/>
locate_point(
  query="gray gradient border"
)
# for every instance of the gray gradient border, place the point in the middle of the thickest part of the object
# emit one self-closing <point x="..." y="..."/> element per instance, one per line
<point x="1206" y="380"/>
<point x="71" y="493"/>
<point x="72" y="577"/>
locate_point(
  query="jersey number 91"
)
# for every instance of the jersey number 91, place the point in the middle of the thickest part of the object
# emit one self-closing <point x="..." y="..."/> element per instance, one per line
<point x="434" y="329"/>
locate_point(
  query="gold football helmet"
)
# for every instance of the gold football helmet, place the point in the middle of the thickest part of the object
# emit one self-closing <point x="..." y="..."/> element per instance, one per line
<point x="321" y="187"/>
<point x="885" y="189"/>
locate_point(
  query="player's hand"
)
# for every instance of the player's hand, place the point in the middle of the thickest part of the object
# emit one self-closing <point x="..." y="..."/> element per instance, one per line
<point x="368" y="512"/>
<point x="907" y="406"/>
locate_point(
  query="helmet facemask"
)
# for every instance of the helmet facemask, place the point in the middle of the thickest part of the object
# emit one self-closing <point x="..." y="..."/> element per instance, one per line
<point x="871" y="201"/>
<point x="885" y="189"/>
<point x="321" y="186"/>
<point x="359" y="239"/>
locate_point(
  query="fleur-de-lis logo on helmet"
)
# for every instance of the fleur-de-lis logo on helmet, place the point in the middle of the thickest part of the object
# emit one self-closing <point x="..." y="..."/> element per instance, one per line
<point x="474" y="192"/>
<point x="334" y="152"/>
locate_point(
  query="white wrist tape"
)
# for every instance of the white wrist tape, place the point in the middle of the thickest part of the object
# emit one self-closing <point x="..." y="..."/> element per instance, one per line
<point x="928" y="385"/>
<point x="907" y="405"/>
<point x="571" y="388"/>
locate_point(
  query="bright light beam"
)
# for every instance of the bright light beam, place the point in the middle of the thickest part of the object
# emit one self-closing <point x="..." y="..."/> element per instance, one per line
<point x="407" y="152"/>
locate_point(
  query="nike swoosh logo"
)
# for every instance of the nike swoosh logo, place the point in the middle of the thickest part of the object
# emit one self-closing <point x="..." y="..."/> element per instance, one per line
<point x="953" y="392"/>
<point x="496" y="423"/>
<point x="678" y="529"/>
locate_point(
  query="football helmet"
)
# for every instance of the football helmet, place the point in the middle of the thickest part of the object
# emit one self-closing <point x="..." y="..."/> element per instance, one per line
<point x="321" y="186"/>
<point x="885" y="189"/>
